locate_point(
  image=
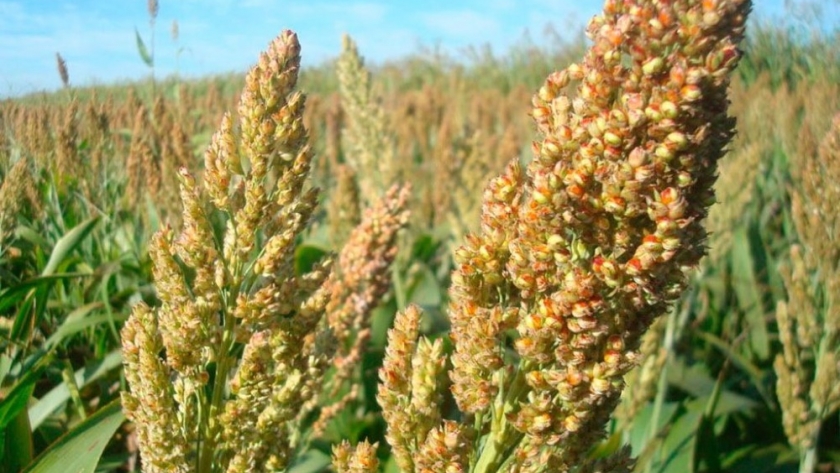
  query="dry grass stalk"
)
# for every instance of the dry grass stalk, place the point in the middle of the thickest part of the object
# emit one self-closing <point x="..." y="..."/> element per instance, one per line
<point x="37" y="137"/>
<point x="334" y="122"/>
<point x="790" y="118"/>
<point x="5" y="141"/>
<point x="143" y="165"/>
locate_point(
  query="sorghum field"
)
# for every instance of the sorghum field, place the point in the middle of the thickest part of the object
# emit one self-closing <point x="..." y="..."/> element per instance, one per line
<point x="618" y="254"/>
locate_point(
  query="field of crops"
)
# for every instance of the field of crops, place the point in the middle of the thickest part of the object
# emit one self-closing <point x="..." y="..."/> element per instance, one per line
<point x="194" y="278"/>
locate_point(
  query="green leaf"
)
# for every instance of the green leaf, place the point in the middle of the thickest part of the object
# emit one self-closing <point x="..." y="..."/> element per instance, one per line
<point x="16" y="443"/>
<point x="12" y="295"/>
<point x="26" y="318"/>
<point x="68" y="243"/>
<point x="696" y="381"/>
<point x="748" y="292"/>
<point x="398" y="284"/>
<point x="56" y="398"/>
<point x="143" y="50"/>
<point x="152" y="213"/>
<point x="15" y="429"/>
<point x="313" y="461"/>
<point x="77" y="321"/>
<point x="706" y="449"/>
<point x="675" y="453"/>
<point x="425" y="289"/>
<point x="754" y="372"/>
<point x="643" y="444"/>
<point x="757" y="458"/>
<point x="30" y="235"/>
<point x="18" y="397"/>
<point x="671" y="445"/>
<point x="5" y="367"/>
<point x="307" y="256"/>
<point x="391" y="465"/>
<point x="424" y="248"/>
<point x="79" y="450"/>
<point x="380" y="320"/>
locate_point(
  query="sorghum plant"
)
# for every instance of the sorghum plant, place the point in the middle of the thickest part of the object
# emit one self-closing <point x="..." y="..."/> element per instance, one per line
<point x="356" y="286"/>
<point x="343" y="207"/>
<point x="578" y="254"/>
<point x="68" y="168"/>
<point x="370" y="145"/>
<point x="222" y="374"/>
<point x="808" y="368"/>
<point x="61" y="66"/>
<point x="642" y="383"/>
<point x="18" y="198"/>
<point x="469" y="174"/>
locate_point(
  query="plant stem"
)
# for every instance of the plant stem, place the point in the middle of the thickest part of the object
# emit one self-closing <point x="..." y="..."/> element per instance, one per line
<point x="208" y="424"/>
<point x="661" y="385"/>
<point x="18" y="443"/>
<point x="808" y="460"/>
<point x="503" y="438"/>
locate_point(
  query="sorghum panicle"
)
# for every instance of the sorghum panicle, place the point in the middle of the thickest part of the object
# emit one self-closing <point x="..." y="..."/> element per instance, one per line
<point x="361" y="459"/>
<point x="808" y="370"/>
<point x="246" y="345"/>
<point x="361" y="277"/>
<point x="63" y="74"/>
<point x="581" y="251"/>
<point x="410" y="387"/>
<point x="19" y="198"/>
<point x="370" y="146"/>
<point x="343" y="208"/>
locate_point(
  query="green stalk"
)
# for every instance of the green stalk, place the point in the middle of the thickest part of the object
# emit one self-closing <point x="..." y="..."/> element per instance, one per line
<point x="106" y="303"/>
<point x="503" y="439"/>
<point x="808" y="460"/>
<point x="69" y="378"/>
<point x="662" y="383"/>
<point x="18" y="440"/>
<point x="207" y="424"/>
<point x="225" y="362"/>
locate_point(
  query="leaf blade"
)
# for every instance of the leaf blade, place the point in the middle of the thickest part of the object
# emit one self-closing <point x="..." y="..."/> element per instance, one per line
<point x="143" y="50"/>
<point x="79" y="450"/>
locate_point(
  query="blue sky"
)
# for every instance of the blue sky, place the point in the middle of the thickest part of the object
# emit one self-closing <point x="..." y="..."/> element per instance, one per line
<point x="97" y="37"/>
